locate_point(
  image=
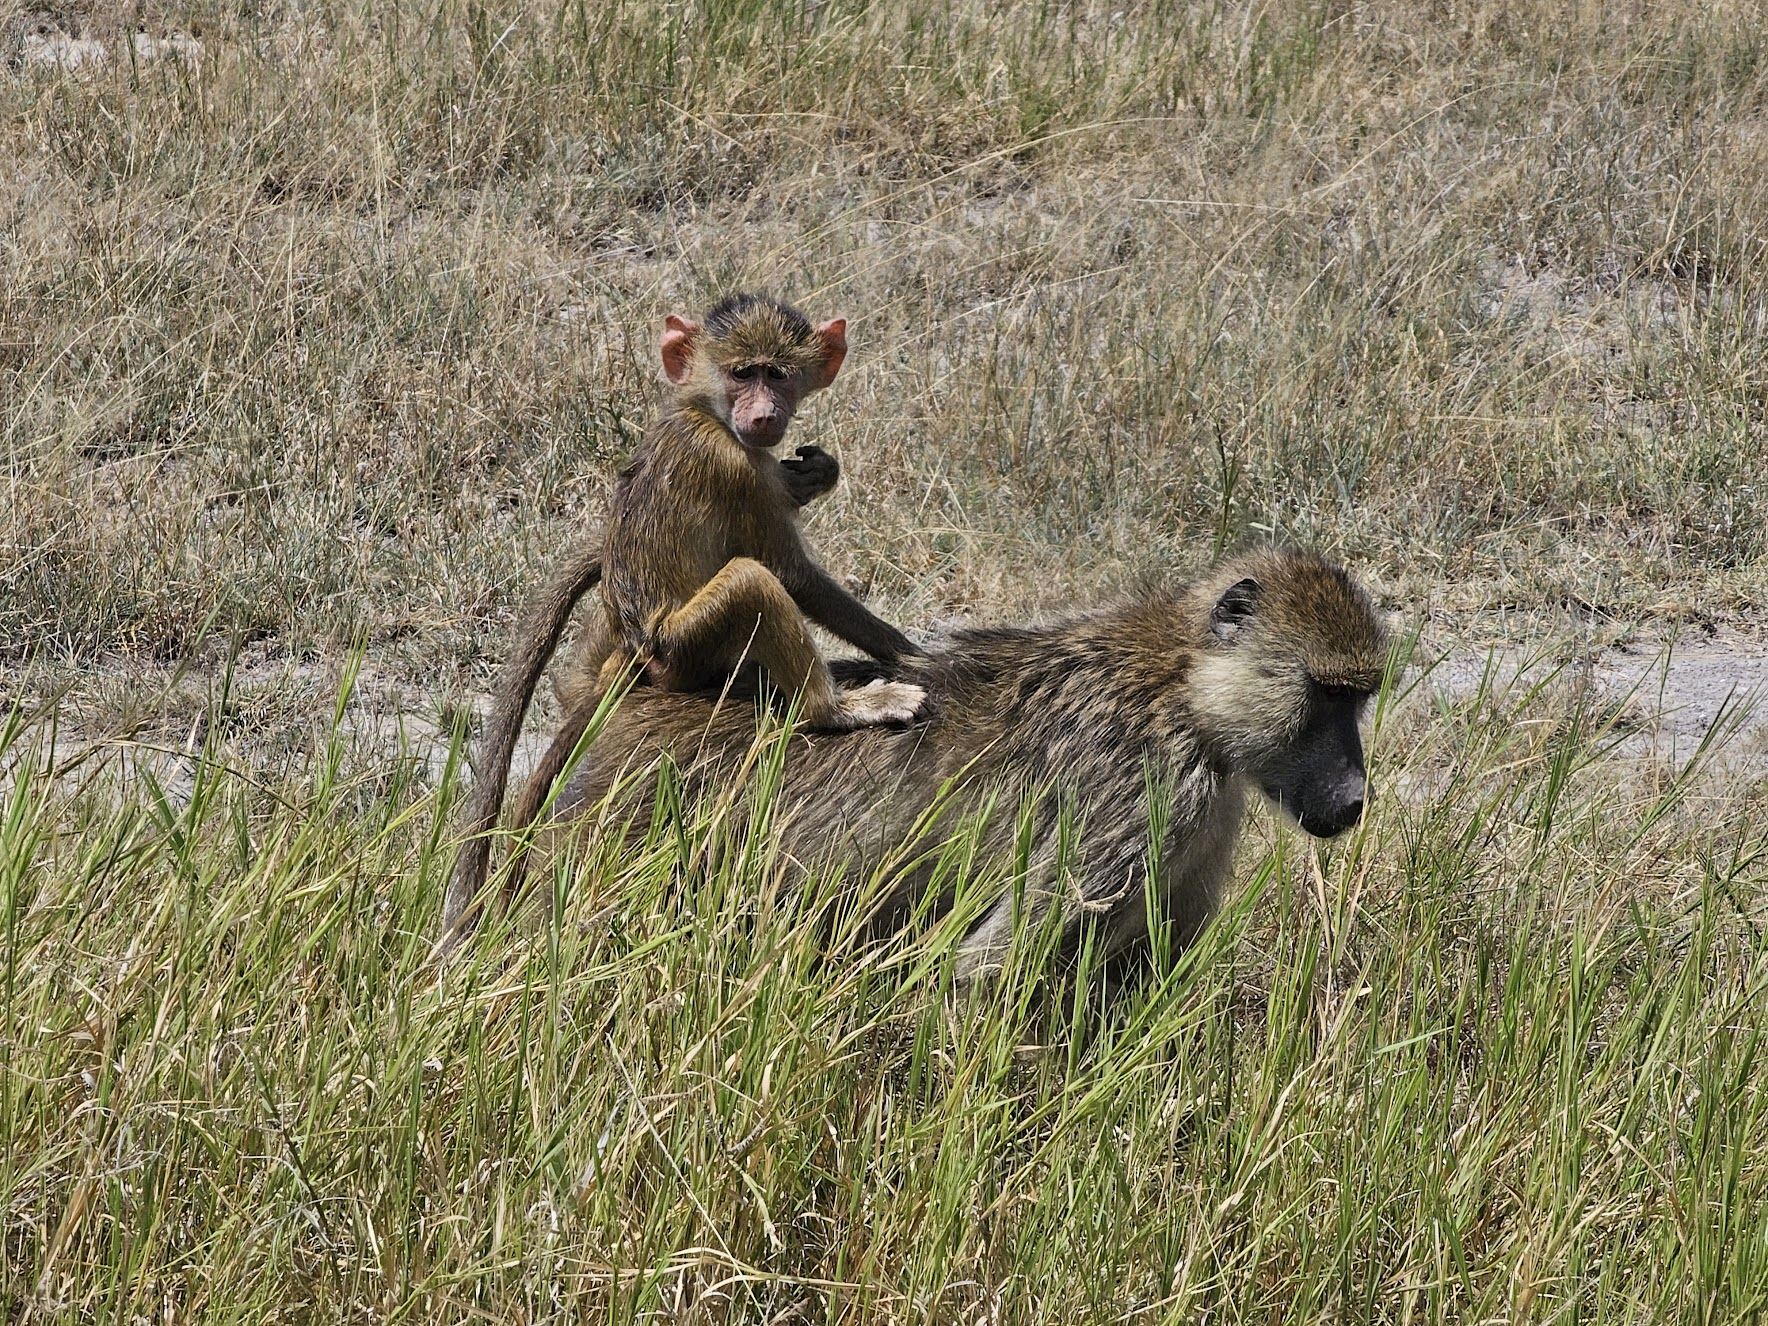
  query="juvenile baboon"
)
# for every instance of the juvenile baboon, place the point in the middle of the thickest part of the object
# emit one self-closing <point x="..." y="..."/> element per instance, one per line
<point x="701" y="563"/>
<point x="1253" y="676"/>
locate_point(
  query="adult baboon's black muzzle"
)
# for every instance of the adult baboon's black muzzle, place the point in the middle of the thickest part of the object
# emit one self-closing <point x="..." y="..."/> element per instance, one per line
<point x="1341" y="809"/>
<point x="1321" y="780"/>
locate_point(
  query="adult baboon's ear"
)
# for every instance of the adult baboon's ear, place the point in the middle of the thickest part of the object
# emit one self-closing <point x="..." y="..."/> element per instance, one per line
<point x="679" y="335"/>
<point x="1234" y="609"/>
<point x="833" y="335"/>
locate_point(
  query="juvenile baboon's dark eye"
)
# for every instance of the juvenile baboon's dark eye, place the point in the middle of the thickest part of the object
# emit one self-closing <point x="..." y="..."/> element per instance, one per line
<point x="775" y="373"/>
<point x="744" y="373"/>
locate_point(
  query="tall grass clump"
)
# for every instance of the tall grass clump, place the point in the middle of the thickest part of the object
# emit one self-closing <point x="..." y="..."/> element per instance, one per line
<point x="1495" y="1055"/>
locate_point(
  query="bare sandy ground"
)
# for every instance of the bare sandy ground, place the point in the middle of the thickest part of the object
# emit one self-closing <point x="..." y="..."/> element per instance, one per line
<point x="1670" y="697"/>
<point x="1664" y="698"/>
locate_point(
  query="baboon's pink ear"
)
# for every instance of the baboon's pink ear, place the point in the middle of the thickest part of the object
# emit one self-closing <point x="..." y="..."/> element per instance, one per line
<point x="833" y="335"/>
<point x="679" y="334"/>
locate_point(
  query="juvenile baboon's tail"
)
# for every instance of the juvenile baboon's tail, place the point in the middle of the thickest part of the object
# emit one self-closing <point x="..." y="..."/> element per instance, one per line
<point x="536" y="639"/>
<point x="540" y="784"/>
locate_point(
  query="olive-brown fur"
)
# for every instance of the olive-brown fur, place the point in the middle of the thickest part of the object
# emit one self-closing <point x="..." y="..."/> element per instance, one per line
<point x="1083" y="715"/>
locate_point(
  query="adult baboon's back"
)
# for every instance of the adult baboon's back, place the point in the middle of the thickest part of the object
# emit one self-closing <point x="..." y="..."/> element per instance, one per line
<point x="1255" y="674"/>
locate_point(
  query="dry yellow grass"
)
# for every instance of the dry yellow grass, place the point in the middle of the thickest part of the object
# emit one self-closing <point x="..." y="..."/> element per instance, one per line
<point x="322" y="324"/>
<point x="341" y="325"/>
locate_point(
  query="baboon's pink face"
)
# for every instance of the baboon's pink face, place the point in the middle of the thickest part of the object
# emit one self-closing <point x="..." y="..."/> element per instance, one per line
<point x="763" y="398"/>
<point x="756" y="394"/>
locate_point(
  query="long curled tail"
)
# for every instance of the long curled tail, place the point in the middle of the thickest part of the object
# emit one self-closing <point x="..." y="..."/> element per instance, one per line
<point x="536" y="640"/>
<point x="540" y="786"/>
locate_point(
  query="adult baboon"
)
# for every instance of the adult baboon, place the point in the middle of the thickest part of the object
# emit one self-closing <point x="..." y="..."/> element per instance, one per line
<point x="1255" y="675"/>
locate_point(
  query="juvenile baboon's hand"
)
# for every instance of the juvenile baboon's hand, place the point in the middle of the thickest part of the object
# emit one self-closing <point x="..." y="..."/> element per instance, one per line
<point x="811" y="475"/>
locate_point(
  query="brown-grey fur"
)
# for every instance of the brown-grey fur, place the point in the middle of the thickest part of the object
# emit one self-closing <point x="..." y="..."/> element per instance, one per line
<point x="700" y="562"/>
<point x="1173" y="691"/>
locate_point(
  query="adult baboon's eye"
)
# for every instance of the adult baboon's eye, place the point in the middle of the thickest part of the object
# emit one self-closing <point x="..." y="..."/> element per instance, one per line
<point x="1354" y="696"/>
<point x="744" y="373"/>
<point x="775" y="373"/>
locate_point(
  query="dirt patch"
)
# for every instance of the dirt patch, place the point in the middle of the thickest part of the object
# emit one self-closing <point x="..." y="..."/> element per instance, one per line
<point x="1659" y="699"/>
<point x="1663" y="698"/>
<point x="51" y="47"/>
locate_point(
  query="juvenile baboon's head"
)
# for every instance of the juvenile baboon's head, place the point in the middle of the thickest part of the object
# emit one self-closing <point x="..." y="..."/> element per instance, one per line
<point x="752" y="361"/>
<point x="1290" y="650"/>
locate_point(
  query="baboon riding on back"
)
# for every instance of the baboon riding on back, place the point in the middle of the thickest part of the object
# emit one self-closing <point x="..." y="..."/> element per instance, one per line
<point x="701" y="565"/>
<point x="1162" y="711"/>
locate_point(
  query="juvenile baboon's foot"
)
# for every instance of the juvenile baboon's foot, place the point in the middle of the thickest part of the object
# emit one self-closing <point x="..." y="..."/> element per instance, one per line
<point x="877" y="703"/>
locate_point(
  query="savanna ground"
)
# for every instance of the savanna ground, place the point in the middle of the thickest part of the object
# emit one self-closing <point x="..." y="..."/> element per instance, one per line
<point x="322" y="325"/>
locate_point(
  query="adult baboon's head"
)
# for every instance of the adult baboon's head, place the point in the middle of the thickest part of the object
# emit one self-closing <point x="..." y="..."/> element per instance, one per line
<point x="1290" y="650"/>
